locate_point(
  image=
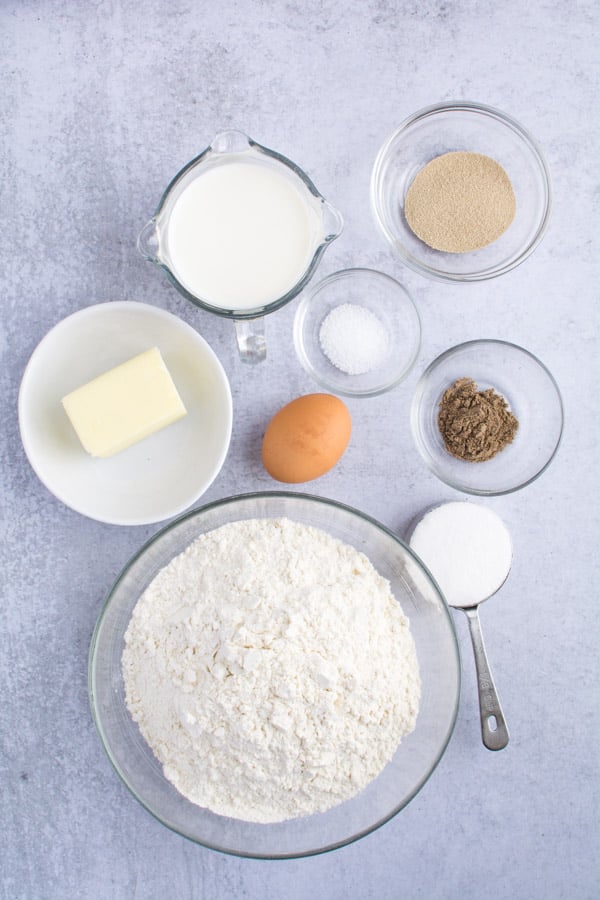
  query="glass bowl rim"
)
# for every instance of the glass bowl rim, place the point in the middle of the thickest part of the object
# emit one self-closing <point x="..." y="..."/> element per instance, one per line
<point x="416" y="405"/>
<point x="300" y="316"/>
<point x="227" y="501"/>
<point x="512" y="124"/>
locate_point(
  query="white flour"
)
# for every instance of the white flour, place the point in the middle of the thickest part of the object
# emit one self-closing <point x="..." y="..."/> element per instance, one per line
<point x="271" y="670"/>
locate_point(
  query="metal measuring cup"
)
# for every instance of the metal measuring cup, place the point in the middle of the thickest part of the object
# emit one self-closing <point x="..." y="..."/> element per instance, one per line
<point x="494" y="732"/>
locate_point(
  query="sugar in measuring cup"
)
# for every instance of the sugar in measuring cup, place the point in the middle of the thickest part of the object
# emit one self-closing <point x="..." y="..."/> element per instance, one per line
<point x="240" y="231"/>
<point x="468" y="550"/>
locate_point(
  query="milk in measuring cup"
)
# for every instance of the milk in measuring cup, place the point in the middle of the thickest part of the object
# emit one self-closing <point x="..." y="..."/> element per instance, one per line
<point x="241" y="235"/>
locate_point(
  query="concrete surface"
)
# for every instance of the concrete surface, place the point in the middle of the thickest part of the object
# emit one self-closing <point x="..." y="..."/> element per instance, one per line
<point x="100" y="104"/>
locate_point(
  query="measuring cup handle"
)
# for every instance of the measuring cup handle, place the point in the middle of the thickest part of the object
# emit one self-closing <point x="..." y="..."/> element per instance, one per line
<point x="250" y="334"/>
<point x="494" y="732"/>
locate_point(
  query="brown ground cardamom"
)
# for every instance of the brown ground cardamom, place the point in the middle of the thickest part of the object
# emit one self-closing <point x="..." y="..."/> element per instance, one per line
<point x="475" y="425"/>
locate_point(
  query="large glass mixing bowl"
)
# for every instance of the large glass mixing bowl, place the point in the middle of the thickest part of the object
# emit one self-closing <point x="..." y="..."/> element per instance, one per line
<point x="415" y="758"/>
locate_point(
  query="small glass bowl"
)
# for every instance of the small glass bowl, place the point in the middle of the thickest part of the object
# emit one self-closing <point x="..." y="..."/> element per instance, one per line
<point x="474" y="128"/>
<point x="388" y="300"/>
<point x="532" y="395"/>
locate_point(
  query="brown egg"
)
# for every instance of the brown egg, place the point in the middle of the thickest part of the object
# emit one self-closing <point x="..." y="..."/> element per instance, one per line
<point x="306" y="438"/>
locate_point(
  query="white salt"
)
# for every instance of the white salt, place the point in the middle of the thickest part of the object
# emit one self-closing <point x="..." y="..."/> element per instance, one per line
<point x="353" y="339"/>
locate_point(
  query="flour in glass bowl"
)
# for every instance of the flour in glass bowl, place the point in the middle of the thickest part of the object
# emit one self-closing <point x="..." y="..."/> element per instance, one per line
<point x="271" y="670"/>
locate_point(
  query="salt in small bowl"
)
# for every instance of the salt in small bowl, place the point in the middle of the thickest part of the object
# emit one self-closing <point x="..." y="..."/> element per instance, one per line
<point x="377" y="295"/>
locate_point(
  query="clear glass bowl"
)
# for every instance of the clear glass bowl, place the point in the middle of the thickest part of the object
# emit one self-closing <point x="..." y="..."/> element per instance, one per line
<point x="532" y="395"/>
<point x="388" y="300"/>
<point x="468" y="127"/>
<point x="417" y="755"/>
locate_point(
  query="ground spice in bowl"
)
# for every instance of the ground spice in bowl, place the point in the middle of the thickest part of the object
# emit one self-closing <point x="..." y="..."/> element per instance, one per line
<point x="475" y="425"/>
<point x="460" y="202"/>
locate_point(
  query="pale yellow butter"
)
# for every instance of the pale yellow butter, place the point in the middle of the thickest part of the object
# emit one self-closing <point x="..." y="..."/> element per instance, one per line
<point x="124" y="405"/>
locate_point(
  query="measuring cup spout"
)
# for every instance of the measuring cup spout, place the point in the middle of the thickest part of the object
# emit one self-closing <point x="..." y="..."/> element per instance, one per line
<point x="231" y="141"/>
<point x="147" y="242"/>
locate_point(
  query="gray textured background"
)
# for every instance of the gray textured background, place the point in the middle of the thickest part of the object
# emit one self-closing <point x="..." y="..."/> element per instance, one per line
<point x="100" y="104"/>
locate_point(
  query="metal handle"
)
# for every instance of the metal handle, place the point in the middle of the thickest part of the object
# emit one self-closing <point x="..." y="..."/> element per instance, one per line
<point x="494" y="732"/>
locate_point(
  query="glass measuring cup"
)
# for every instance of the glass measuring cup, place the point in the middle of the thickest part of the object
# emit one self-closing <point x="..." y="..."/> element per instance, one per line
<point x="228" y="147"/>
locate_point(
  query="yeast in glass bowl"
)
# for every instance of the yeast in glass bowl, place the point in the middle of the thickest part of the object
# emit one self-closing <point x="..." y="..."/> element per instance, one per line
<point x="468" y="128"/>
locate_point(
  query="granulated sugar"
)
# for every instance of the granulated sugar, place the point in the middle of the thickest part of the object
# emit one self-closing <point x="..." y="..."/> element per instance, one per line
<point x="271" y="670"/>
<point x="467" y="548"/>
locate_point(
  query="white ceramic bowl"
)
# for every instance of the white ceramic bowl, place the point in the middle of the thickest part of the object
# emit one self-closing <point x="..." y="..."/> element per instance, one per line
<point x="160" y="476"/>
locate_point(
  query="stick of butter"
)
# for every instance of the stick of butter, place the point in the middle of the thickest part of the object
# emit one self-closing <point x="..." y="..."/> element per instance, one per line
<point x="125" y="405"/>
